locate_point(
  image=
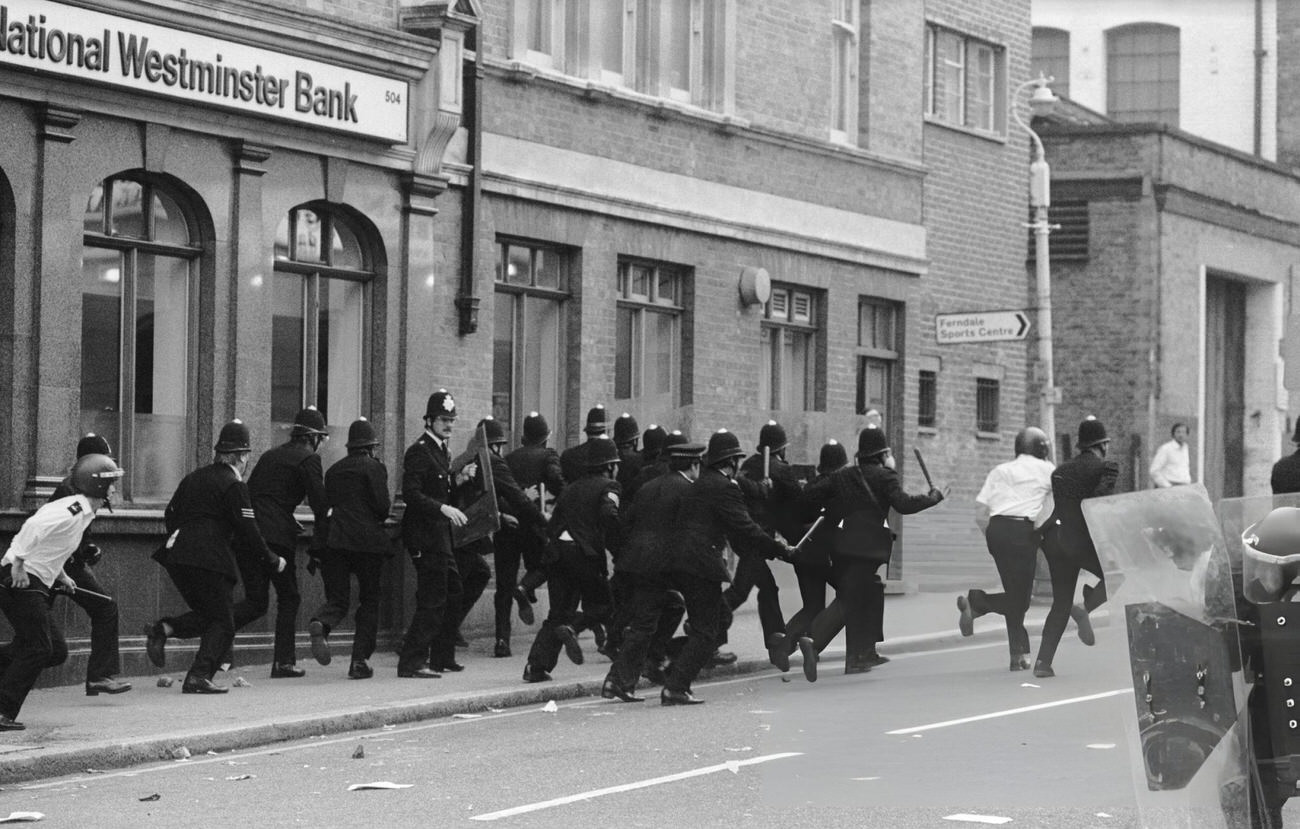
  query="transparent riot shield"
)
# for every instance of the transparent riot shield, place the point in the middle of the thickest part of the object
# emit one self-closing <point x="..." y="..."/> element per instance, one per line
<point x="1169" y="581"/>
<point x="1263" y="540"/>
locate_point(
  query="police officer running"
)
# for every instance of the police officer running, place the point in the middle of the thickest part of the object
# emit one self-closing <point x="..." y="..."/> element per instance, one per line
<point x="32" y="567"/>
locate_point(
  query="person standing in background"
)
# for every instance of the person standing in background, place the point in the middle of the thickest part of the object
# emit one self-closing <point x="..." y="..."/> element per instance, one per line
<point x="1171" y="465"/>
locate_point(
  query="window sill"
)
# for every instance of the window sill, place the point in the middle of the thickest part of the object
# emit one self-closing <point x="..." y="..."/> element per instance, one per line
<point x="991" y="436"/>
<point x="927" y="431"/>
<point x="993" y="137"/>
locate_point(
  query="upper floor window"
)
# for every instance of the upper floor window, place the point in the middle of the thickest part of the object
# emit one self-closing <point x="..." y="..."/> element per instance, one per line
<point x="138" y="275"/>
<point x="648" y="335"/>
<point x="1051" y="58"/>
<point x="528" y="366"/>
<point x="675" y="49"/>
<point x="965" y="81"/>
<point x="844" y="71"/>
<point x="927" y="399"/>
<point x="1142" y="73"/>
<point x="320" y="326"/>
<point x="988" y="404"/>
<point x="791" y="325"/>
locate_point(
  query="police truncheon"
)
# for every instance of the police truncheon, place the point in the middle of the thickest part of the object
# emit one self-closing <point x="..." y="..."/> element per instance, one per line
<point x="1169" y="581"/>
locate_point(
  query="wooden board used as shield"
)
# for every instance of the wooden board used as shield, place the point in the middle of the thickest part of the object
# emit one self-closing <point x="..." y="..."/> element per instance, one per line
<point x="480" y="505"/>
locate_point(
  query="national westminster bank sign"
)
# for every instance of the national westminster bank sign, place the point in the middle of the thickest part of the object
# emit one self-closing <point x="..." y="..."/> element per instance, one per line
<point x="90" y="45"/>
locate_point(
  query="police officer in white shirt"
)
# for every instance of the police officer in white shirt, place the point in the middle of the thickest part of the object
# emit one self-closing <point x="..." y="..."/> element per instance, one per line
<point x="1172" y="465"/>
<point x="1016" y="499"/>
<point x="32" y="567"/>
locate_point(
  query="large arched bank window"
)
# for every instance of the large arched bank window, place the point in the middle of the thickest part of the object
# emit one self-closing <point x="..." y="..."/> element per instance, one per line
<point x="320" y="324"/>
<point x="137" y="278"/>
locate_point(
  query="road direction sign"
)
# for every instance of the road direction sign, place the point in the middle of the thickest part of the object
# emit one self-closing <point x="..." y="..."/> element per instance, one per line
<point x="980" y="327"/>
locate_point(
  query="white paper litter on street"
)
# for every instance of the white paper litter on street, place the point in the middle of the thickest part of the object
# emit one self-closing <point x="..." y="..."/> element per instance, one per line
<point x="992" y="819"/>
<point x="550" y="707"/>
<point x="1101" y="745"/>
<point x="23" y="817"/>
<point x="466" y="716"/>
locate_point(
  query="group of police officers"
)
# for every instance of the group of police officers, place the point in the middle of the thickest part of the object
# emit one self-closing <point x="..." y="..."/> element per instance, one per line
<point x="666" y="513"/>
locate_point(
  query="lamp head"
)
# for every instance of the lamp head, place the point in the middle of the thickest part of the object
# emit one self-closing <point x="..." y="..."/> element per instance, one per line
<point x="1042" y="100"/>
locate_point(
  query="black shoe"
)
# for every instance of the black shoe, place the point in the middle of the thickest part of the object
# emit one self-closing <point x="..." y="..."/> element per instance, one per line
<point x="420" y="673"/>
<point x="502" y="649"/>
<point x="526" y="614"/>
<point x="667" y="697"/>
<point x="532" y="674"/>
<point x="569" y="639"/>
<point x="875" y="660"/>
<point x="320" y="647"/>
<point x="452" y="667"/>
<point x="286" y="670"/>
<point x="612" y="690"/>
<point x="360" y="670"/>
<point x="721" y="658"/>
<point x="598" y="632"/>
<point x="778" y="652"/>
<point x="809" y="653"/>
<point x="1043" y="670"/>
<point x="1020" y="662"/>
<point x="155" y="644"/>
<point x="461" y="642"/>
<point x="10" y="724"/>
<point x="107" y="685"/>
<point x="202" y="685"/>
<point x="966" y="621"/>
<point x="1080" y="617"/>
<point x="857" y="665"/>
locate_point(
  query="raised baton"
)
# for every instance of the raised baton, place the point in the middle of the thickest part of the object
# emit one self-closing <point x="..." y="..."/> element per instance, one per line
<point x="924" y="471"/>
<point x="811" y="530"/>
<point x="71" y="590"/>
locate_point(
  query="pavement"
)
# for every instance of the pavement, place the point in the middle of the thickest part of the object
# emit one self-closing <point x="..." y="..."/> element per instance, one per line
<point x="70" y="733"/>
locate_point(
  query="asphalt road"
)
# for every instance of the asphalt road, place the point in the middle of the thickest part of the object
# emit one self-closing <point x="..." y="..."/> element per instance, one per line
<point x="946" y="738"/>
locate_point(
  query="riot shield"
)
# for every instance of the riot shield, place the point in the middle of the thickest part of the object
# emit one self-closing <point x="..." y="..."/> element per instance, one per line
<point x="1265" y="574"/>
<point x="480" y="507"/>
<point x="1170" y="584"/>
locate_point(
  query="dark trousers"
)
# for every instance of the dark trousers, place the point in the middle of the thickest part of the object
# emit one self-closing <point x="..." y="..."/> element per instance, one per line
<point x="337" y="567"/>
<point x="432" y="632"/>
<point x="573" y="578"/>
<point x="510" y="549"/>
<point x="38" y="643"/>
<point x="621" y="587"/>
<point x="705" y="611"/>
<point x="104" y="661"/>
<point x="813" y="579"/>
<point x="862" y="595"/>
<point x="258" y="578"/>
<point x="471" y="563"/>
<point x="1064" y="568"/>
<point x="1013" y="543"/>
<point x="211" y="599"/>
<point x="653" y="609"/>
<point x="752" y="571"/>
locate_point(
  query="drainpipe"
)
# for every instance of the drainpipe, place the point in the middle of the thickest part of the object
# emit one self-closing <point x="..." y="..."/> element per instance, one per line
<point x="1259" y="77"/>
<point x="466" y="302"/>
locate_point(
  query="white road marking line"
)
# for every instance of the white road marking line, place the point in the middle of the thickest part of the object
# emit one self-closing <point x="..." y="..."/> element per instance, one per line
<point x="965" y="818"/>
<point x="1010" y="711"/>
<point x="730" y="765"/>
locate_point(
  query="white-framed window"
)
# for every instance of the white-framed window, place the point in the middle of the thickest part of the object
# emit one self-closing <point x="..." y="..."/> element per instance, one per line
<point x="965" y="81"/>
<point x="681" y="50"/>
<point x="879" y="350"/>
<point x="648" y="334"/>
<point x="789" y="340"/>
<point x="320" y="322"/>
<point x="528" y="364"/>
<point x="138" y="275"/>
<point x="844" y="71"/>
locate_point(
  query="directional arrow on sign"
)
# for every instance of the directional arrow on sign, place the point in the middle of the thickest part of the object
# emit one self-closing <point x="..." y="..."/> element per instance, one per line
<point x="980" y="327"/>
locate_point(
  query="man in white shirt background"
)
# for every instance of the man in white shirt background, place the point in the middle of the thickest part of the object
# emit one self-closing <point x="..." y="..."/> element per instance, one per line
<point x="1014" y="502"/>
<point x="1171" y="465"/>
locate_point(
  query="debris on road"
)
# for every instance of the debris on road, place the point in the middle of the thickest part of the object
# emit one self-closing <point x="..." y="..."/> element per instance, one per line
<point x="466" y="716"/>
<point x="150" y="798"/>
<point x="359" y="753"/>
<point x="22" y="817"/>
<point x="550" y="707"/>
<point x="382" y="784"/>
<point x="241" y="777"/>
<point x="991" y="819"/>
<point x="180" y="753"/>
<point x="240" y="682"/>
<point x="165" y="682"/>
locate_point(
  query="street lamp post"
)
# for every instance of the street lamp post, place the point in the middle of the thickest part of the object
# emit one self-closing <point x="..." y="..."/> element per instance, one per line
<point x="1041" y="102"/>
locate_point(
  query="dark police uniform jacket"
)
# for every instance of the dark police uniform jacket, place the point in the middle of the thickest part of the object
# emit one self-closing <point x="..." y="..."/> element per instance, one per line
<point x="426" y="485"/>
<point x="712" y="513"/>
<point x="573" y="462"/>
<point x="209" y="511"/>
<point x="1286" y="475"/>
<point x="779" y="509"/>
<point x="650" y="525"/>
<point x="588" y="511"/>
<point x="647" y="473"/>
<point x="282" y="478"/>
<point x="845" y="491"/>
<point x="535" y="464"/>
<point x="356" y="494"/>
<point x="629" y="466"/>
<point x="1083" y="476"/>
<point x="511" y="499"/>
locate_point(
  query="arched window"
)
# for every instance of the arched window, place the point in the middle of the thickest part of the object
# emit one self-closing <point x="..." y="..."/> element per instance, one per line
<point x="1051" y="57"/>
<point x="320" y="331"/>
<point x="1142" y="62"/>
<point x="137" y="289"/>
